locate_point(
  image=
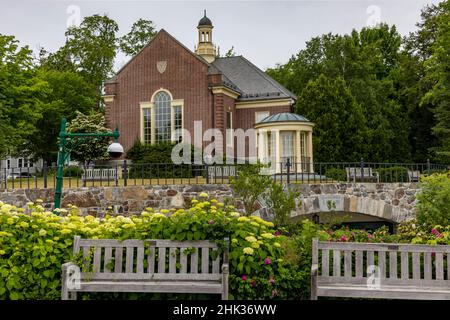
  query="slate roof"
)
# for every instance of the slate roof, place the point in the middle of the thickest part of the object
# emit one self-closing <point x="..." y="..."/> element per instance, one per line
<point x="284" y="117"/>
<point x="252" y="82"/>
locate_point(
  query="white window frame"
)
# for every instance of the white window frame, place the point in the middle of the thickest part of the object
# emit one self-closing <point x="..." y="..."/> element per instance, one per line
<point x="229" y="131"/>
<point x="151" y="105"/>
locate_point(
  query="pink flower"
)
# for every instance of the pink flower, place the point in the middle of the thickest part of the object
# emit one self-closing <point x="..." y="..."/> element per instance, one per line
<point x="267" y="261"/>
<point x="274" y="293"/>
<point x="211" y="221"/>
<point x="253" y="282"/>
<point x="343" y="238"/>
<point x="277" y="233"/>
<point x="244" y="277"/>
<point x="434" y="231"/>
<point x="271" y="280"/>
<point x="369" y="236"/>
<point x="440" y="235"/>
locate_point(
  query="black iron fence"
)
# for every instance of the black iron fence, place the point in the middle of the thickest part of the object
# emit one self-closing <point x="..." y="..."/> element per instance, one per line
<point x="124" y="173"/>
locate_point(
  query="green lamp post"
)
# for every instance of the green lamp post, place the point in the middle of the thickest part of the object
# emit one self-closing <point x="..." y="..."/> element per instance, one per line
<point x="69" y="141"/>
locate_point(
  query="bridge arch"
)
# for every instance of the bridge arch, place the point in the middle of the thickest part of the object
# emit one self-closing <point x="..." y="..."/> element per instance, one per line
<point x="384" y="205"/>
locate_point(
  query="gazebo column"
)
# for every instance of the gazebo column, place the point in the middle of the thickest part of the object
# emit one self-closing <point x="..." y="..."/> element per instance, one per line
<point x="309" y="151"/>
<point x="277" y="148"/>
<point x="262" y="146"/>
<point x="298" y="159"/>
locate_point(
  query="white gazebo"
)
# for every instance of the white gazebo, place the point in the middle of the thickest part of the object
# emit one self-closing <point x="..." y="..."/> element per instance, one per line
<point x="284" y="137"/>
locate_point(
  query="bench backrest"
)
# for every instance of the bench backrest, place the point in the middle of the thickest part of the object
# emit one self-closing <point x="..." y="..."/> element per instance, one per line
<point x="357" y="172"/>
<point x="221" y="171"/>
<point x="97" y="174"/>
<point x="392" y="264"/>
<point x="144" y="259"/>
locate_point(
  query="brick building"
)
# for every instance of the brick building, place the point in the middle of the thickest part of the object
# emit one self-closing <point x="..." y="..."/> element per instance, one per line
<point x="166" y="87"/>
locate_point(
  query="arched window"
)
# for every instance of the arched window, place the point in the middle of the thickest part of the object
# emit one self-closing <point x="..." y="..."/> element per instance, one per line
<point x="162" y="117"/>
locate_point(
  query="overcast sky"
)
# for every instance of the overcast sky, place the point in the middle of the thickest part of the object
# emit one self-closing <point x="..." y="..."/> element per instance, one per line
<point x="266" y="32"/>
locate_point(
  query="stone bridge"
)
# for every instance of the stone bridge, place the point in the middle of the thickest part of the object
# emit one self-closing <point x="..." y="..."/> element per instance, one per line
<point x="389" y="201"/>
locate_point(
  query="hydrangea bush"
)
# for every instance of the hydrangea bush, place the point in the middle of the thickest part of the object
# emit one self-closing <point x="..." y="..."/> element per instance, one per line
<point x="33" y="246"/>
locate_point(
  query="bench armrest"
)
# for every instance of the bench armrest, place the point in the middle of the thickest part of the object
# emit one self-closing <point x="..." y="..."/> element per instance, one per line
<point x="225" y="268"/>
<point x="314" y="270"/>
<point x="66" y="265"/>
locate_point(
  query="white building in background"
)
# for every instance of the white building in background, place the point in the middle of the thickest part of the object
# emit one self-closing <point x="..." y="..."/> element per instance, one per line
<point x="13" y="166"/>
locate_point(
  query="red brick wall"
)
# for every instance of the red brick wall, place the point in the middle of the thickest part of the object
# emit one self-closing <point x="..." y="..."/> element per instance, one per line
<point x="185" y="77"/>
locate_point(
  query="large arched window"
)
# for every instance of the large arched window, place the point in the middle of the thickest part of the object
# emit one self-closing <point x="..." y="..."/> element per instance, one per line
<point x="160" y="117"/>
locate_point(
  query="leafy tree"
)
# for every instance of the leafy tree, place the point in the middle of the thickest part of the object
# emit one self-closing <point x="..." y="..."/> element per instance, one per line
<point x="438" y="70"/>
<point x="141" y="33"/>
<point x="92" y="47"/>
<point x="69" y="93"/>
<point x="21" y="95"/>
<point x="340" y="129"/>
<point x="88" y="149"/>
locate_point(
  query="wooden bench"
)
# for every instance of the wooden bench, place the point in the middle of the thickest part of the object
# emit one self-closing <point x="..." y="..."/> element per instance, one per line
<point x="413" y="176"/>
<point x="380" y="270"/>
<point x="354" y="173"/>
<point x="163" y="266"/>
<point x="221" y="171"/>
<point x="109" y="174"/>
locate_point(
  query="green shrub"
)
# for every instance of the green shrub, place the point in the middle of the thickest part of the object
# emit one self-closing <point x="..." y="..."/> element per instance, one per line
<point x="72" y="171"/>
<point x="337" y="174"/>
<point x="434" y="201"/>
<point x="393" y="174"/>
<point x="155" y="161"/>
<point x="33" y="247"/>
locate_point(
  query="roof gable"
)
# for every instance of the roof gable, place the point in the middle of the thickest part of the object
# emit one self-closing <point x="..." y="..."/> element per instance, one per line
<point x="160" y="33"/>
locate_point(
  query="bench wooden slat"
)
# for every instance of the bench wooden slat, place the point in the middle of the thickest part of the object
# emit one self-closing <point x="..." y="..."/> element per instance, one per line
<point x="383" y="247"/>
<point x="97" y="257"/>
<point x="150" y="277"/>
<point x="416" y="265"/>
<point x="172" y="260"/>
<point x="205" y="260"/>
<point x="140" y="260"/>
<point x="347" y="263"/>
<point x="183" y="260"/>
<point x="151" y="260"/>
<point x="404" y="256"/>
<point x="439" y="266"/>
<point x="194" y="261"/>
<point x="86" y="261"/>
<point x="370" y="259"/>
<point x="215" y="264"/>
<point x="325" y="262"/>
<point x="161" y="259"/>
<point x="129" y="260"/>
<point x="183" y="244"/>
<point x="393" y="265"/>
<point x="359" y="264"/>
<point x="448" y="265"/>
<point x="108" y="254"/>
<point x="118" y="260"/>
<point x="382" y="264"/>
<point x="110" y="243"/>
<point x="427" y="266"/>
<point x="336" y="263"/>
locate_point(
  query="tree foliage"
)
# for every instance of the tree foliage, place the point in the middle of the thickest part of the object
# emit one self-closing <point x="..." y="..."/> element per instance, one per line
<point x="141" y="33"/>
<point x="88" y="149"/>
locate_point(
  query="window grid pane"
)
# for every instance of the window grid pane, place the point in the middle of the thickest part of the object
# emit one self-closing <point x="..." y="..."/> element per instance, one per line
<point x="162" y="117"/>
<point x="147" y="125"/>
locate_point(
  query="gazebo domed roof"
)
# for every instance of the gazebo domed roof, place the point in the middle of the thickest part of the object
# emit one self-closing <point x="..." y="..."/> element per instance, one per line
<point x="284" y="117"/>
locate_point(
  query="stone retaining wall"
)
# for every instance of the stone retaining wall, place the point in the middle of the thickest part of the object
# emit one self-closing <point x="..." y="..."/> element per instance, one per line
<point x="391" y="201"/>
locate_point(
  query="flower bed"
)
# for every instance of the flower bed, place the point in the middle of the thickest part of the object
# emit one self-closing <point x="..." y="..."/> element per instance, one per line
<point x="33" y="246"/>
